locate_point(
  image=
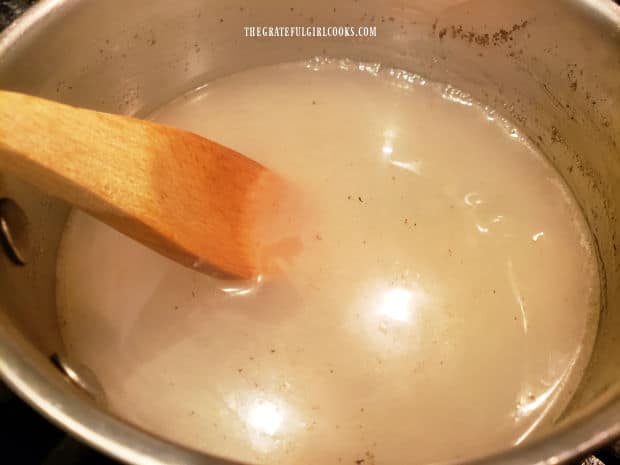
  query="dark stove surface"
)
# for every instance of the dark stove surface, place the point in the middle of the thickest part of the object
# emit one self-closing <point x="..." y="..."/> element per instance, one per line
<point x="11" y="9"/>
<point x="27" y="438"/>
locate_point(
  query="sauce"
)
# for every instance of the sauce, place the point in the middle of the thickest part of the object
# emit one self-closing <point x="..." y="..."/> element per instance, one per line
<point x="444" y="304"/>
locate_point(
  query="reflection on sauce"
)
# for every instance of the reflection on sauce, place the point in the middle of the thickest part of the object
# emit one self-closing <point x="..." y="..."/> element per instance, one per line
<point x="446" y="293"/>
<point x="395" y="304"/>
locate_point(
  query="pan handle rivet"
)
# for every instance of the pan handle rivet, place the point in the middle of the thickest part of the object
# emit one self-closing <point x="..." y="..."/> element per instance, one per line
<point x="80" y="376"/>
<point x="14" y="232"/>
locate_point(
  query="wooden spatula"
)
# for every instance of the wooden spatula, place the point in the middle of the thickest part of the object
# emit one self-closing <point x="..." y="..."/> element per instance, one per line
<point x="189" y="198"/>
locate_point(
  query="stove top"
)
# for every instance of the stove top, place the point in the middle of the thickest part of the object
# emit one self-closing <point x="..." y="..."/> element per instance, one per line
<point x="29" y="439"/>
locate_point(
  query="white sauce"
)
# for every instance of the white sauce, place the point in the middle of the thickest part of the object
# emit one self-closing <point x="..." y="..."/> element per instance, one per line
<point x="444" y="305"/>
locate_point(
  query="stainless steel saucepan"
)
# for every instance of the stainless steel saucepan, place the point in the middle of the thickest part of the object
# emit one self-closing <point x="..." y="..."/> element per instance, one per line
<point x="552" y="66"/>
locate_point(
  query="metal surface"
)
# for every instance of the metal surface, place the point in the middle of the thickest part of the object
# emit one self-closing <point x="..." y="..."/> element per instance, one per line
<point x="556" y="76"/>
<point x="14" y="232"/>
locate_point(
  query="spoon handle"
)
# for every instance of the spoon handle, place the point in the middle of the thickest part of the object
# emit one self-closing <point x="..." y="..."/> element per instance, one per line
<point x="185" y="196"/>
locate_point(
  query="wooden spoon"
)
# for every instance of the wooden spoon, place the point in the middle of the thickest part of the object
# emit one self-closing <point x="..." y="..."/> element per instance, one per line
<point x="187" y="197"/>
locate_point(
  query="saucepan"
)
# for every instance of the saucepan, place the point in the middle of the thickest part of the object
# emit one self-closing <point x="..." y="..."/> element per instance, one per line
<point x="552" y="67"/>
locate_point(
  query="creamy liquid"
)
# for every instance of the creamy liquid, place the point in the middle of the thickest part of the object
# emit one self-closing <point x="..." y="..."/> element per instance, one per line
<point x="444" y="304"/>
